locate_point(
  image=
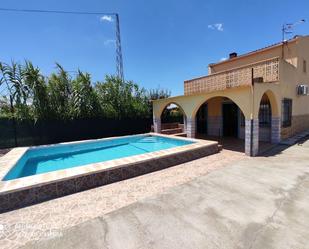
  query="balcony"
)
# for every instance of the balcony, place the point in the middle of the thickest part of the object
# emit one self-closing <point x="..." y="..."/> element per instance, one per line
<point x="266" y="71"/>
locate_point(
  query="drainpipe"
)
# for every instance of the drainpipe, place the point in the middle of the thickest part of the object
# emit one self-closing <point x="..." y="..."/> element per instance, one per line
<point x="252" y="114"/>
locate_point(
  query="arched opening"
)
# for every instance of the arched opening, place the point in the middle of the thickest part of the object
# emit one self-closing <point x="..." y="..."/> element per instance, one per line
<point x="173" y="120"/>
<point x="221" y="119"/>
<point x="265" y="117"/>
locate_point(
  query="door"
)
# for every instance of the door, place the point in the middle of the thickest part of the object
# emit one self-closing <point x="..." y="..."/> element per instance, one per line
<point x="201" y="119"/>
<point x="230" y="119"/>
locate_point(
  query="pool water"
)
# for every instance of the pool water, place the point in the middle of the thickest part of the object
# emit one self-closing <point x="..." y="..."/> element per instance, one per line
<point x="56" y="157"/>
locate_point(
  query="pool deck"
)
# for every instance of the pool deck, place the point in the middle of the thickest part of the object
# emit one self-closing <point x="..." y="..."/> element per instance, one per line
<point x="48" y="219"/>
<point x="255" y="203"/>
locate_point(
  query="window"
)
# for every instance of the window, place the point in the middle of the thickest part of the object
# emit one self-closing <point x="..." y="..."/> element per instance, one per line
<point x="286" y="112"/>
<point x="304" y="66"/>
<point x="265" y="112"/>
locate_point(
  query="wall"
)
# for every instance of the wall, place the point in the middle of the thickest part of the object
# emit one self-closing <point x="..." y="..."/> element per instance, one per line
<point x="264" y="134"/>
<point x="299" y="123"/>
<point x="291" y="74"/>
<point x="214" y="119"/>
<point x="190" y="104"/>
<point x="263" y="54"/>
<point x="241" y="132"/>
<point x="291" y="77"/>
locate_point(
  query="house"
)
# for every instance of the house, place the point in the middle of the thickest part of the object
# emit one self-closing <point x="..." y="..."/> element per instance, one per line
<point x="258" y="96"/>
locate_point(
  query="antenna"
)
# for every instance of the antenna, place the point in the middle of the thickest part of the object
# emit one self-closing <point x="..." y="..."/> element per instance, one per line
<point x="287" y="28"/>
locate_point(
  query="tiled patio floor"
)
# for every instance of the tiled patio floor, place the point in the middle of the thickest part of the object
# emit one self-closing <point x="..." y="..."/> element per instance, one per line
<point x="235" y="144"/>
<point x="49" y="218"/>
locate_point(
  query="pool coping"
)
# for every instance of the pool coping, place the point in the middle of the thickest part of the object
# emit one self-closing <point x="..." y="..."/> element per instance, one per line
<point x="10" y="159"/>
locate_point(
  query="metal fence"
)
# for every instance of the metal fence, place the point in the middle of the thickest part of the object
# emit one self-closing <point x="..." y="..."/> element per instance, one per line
<point x="28" y="132"/>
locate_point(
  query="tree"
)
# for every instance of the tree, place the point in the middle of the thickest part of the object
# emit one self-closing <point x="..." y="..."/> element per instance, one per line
<point x="84" y="100"/>
<point x="30" y="95"/>
<point x="13" y="77"/>
<point x="35" y="81"/>
<point x="122" y="99"/>
<point x="154" y="94"/>
<point x="59" y="91"/>
<point x="158" y="93"/>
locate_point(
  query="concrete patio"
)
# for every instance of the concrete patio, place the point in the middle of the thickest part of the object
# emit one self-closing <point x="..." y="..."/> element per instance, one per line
<point x="50" y="218"/>
<point x="258" y="202"/>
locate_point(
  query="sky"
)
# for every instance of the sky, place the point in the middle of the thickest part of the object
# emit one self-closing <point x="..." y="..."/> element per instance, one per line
<point x="164" y="42"/>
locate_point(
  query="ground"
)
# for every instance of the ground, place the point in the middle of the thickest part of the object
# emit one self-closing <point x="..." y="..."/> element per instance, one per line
<point x="3" y="151"/>
<point x="260" y="202"/>
<point x="48" y="219"/>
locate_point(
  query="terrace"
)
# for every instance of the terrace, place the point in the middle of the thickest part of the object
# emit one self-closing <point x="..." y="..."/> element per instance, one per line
<point x="261" y="72"/>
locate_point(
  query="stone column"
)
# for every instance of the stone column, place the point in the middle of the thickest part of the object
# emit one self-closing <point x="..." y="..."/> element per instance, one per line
<point x="184" y="123"/>
<point x="157" y="124"/>
<point x="254" y="137"/>
<point x="275" y="130"/>
<point x="191" y="127"/>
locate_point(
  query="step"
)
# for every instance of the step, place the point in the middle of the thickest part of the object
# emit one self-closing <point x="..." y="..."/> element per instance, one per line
<point x="182" y="134"/>
<point x="171" y="131"/>
<point x="167" y="126"/>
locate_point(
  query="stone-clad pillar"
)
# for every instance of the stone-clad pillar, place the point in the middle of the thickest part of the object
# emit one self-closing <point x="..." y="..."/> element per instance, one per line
<point x="254" y="137"/>
<point x="184" y="123"/>
<point x="157" y="124"/>
<point x="275" y="130"/>
<point x="191" y="125"/>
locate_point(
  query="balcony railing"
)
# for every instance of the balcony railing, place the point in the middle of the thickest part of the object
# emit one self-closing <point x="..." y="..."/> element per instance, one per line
<point x="265" y="71"/>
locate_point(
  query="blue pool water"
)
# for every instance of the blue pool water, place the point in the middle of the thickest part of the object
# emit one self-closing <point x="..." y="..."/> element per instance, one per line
<point x="46" y="159"/>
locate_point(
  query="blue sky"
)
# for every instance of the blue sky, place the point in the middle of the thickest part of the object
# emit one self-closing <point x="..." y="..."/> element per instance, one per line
<point x="164" y="42"/>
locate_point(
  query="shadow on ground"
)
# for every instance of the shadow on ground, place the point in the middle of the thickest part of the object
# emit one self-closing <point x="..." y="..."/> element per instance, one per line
<point x="278" y="149"/>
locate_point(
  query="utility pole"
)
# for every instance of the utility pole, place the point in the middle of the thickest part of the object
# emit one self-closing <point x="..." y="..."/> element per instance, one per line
<point x="119" y="61"/>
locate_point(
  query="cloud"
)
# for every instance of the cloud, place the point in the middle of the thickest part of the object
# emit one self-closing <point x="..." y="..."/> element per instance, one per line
<point x="216" y="26"/>
<point x="106" y="18"/>
<point x="223" y="59"/>
<point x="109" y="42"/>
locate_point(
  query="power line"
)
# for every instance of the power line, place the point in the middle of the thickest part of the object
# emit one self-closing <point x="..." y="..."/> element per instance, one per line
<point x="119" y="60"/>
<point x="56" y="11"/>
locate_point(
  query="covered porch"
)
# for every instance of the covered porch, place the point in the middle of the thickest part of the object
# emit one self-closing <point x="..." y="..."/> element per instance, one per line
<point x="244" y="119"/>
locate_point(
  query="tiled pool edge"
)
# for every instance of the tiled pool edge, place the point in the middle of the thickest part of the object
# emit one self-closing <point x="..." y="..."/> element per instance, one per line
<point x="25" y="197"/>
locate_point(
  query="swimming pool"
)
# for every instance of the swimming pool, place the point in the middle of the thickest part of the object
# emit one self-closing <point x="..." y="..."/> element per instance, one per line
<point x="47" y="159"/>
<point x="30" y="175"/>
